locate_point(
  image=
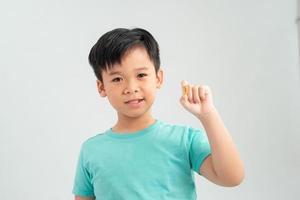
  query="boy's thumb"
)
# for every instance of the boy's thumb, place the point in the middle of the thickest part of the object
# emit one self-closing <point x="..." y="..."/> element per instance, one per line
<point x="184" y="100"/>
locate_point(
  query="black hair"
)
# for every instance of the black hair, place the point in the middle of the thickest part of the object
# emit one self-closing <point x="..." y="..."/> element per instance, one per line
<point x="113" y="45"/>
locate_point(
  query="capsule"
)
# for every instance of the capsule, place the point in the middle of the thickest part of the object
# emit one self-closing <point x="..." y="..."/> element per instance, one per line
<point x="185" y="88"/>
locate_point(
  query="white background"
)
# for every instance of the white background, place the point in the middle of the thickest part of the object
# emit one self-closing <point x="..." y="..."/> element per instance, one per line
<point x="246" y="51"/>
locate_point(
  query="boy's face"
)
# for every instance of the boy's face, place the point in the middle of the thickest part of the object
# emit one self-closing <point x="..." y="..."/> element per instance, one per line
<point x="131" y="85"/>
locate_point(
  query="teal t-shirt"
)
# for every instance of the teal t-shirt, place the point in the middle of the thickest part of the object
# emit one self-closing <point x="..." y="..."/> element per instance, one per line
<point x="157" y="162"/>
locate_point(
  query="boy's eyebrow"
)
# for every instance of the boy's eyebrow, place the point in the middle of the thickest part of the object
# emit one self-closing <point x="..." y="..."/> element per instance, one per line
<point x="118" y="72"/>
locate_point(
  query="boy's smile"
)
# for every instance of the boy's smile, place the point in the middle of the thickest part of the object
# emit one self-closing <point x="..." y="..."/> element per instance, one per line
<point x="135" y="103"/>
<point x="131" y="85"/>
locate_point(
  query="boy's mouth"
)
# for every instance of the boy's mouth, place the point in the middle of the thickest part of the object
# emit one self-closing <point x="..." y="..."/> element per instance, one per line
<point x="134" y="101"/>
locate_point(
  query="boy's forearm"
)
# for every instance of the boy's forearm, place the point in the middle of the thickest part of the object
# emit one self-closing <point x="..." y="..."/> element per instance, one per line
<point x="225" y="157"/>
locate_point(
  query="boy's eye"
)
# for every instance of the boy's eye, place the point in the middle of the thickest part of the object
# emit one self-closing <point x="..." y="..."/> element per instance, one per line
<point x="142" y="75"/>
<point x="116" y="79"/>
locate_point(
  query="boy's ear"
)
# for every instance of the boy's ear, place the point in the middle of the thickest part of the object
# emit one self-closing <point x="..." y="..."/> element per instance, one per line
<point x="159" y="78"/>
<point x="101" y="88"/>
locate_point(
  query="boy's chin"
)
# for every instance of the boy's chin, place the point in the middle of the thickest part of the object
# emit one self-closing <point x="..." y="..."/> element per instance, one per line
<point x="133" y="114"/>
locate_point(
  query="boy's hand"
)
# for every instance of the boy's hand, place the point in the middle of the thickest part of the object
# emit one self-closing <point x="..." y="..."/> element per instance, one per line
<point x="197" y="99"/>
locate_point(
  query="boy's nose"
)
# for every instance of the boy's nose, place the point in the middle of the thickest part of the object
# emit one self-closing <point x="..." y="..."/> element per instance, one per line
<point x="131" y="88"/>
<point x="128" y="91"/>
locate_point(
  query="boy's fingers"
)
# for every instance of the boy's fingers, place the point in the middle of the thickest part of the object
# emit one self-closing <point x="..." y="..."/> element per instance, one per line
<point x="190" y="93"/>
<point x="202" y="92"/>
<point x="196" y="94"/>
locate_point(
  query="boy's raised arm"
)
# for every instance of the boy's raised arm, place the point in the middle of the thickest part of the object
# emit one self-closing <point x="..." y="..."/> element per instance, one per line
<point x="84" y="198"/>
<point x="224" y="166"/>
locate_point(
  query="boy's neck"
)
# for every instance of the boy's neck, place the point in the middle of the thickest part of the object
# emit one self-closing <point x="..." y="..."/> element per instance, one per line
<point x="127" y="125"/>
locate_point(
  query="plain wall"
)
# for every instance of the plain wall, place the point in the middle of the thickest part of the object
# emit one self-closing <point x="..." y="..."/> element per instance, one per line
<point x="246" y="51"/>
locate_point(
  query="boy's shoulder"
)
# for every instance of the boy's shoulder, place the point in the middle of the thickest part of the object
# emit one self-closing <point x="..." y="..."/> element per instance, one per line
<point x="181" y="127"/>
<point x="164" y="127"/>
<point x="94" y="139"/>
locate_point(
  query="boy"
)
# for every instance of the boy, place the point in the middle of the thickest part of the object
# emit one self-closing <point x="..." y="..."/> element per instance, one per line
<point x="141" y="157"/>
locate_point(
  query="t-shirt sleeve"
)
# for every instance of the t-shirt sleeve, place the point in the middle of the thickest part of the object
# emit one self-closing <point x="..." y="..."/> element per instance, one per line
<point x="82" y="182"/>
<point x="199" y="147"/>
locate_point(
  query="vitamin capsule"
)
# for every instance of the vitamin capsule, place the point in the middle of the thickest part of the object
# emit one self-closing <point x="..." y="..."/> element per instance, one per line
<point x="185" y="88"/>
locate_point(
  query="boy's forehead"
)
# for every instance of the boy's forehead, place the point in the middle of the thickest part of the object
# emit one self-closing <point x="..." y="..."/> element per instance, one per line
<point x="120" y="69"/>
<point x="135" y="58"/>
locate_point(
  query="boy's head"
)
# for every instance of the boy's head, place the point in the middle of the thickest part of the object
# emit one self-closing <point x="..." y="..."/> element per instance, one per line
<point x="127" y="66"/>
<point x="113" y="45"/>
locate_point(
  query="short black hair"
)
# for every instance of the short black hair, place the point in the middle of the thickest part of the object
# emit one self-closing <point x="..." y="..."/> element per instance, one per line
<point x="113" y="45"/>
